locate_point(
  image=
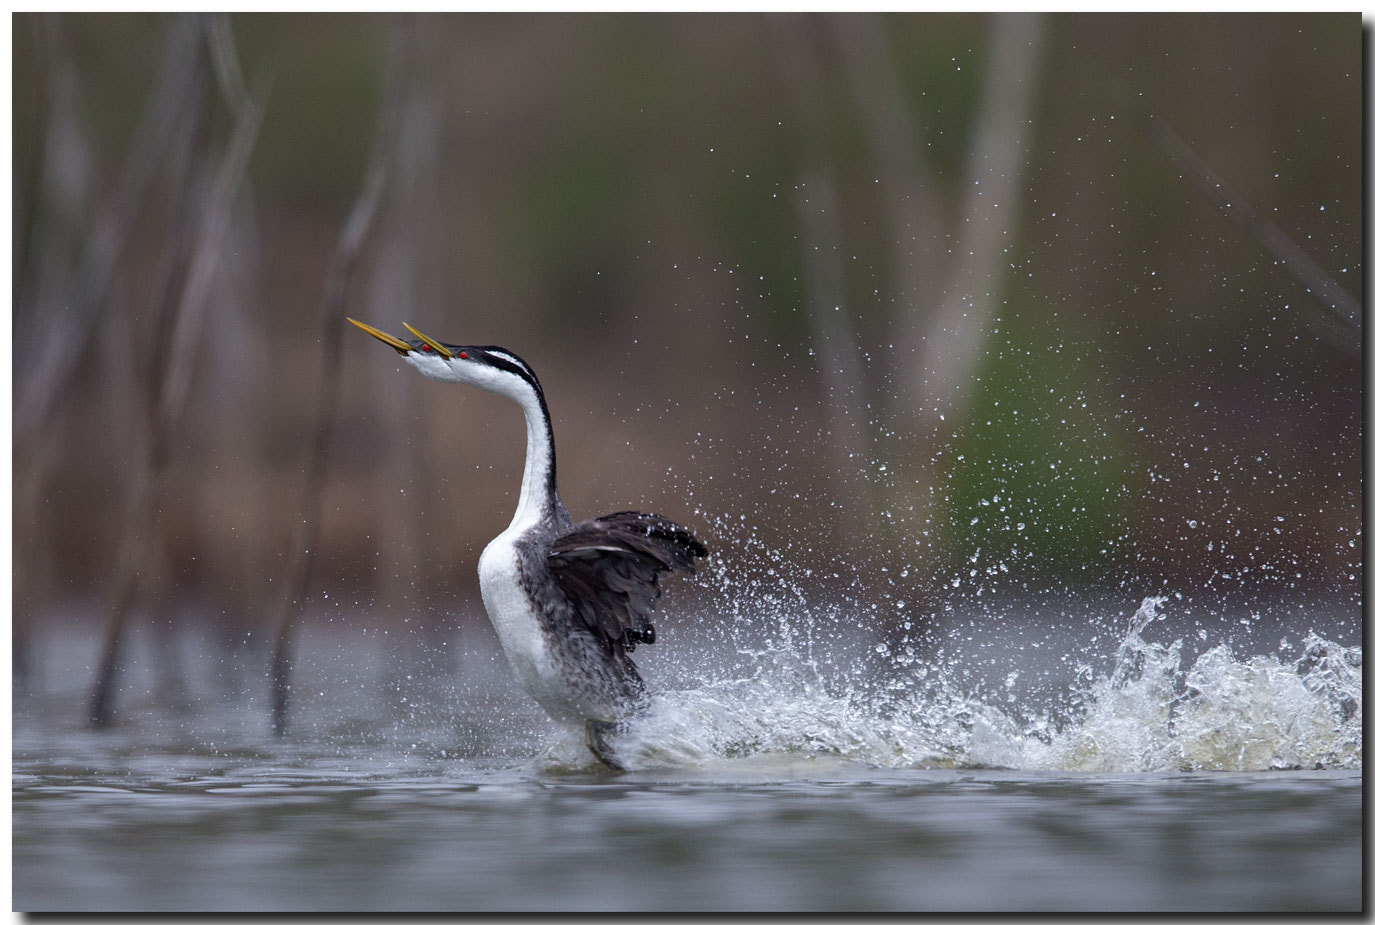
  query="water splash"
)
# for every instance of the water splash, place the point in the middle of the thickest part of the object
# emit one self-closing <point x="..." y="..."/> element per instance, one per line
<point x="1149" y="713"/>
<point x="1223" y="713"/>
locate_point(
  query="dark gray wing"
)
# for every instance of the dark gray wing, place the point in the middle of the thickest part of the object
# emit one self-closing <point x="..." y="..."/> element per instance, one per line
<point x="610" y="566"/>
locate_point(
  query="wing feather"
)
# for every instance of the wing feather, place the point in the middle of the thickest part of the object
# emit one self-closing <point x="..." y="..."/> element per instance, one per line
<point x="610" y="566"/>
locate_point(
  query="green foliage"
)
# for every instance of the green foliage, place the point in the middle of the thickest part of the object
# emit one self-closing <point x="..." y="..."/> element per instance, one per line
<point x="1043" y="476"/>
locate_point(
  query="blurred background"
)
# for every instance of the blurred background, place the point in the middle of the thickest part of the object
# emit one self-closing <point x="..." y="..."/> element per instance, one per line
<point x="896" y="311"/>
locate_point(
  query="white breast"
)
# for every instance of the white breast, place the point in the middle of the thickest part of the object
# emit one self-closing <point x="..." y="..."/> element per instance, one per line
<point x="513" y="617"/>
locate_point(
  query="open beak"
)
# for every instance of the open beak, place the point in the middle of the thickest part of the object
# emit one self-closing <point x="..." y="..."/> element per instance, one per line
<point x="400" y="346"/>
<point x="438" y="348"/>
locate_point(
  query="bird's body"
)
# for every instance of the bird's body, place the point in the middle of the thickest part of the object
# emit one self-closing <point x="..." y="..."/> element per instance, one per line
<point x="560" y="662"/>
<point x="569" y="601"/>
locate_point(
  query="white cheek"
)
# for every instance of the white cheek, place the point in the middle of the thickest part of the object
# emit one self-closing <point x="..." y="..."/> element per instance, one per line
<point x="433" y="367"/>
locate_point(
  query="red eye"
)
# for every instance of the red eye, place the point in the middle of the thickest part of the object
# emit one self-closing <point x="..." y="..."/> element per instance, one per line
<point x="425" y="347"/>
<point x="463" y="354"/>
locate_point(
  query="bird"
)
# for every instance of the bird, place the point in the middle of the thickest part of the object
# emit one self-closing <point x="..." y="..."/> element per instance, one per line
<point x="569" y="601"/>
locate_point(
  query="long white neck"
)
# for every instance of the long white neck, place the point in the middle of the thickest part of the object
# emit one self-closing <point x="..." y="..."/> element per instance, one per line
<point x="538" y="493"/>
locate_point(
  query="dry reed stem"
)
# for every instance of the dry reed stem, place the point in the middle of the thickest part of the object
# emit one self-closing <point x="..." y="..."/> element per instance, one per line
<point x="817" y="205"/>
<point x="171" y="366"/>
<point x="1337" y="304"/>
<point x="338" y="278"/>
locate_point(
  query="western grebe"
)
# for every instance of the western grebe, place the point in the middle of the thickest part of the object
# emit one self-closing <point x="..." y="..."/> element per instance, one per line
<point x="569" y="601"/>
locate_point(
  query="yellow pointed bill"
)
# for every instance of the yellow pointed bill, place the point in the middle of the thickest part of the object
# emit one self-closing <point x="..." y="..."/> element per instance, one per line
<point x="436" y="345"/>
<point x="400" y="346"/>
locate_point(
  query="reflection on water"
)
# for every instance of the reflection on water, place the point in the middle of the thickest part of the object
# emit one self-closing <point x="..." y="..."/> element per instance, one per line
<point x="786" y="780"/>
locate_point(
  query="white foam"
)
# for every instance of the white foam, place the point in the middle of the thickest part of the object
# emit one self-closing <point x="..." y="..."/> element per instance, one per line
<point x="1150" y="713"/>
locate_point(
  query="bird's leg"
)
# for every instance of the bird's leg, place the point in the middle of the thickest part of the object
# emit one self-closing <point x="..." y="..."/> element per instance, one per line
<point x="597" y="729"/>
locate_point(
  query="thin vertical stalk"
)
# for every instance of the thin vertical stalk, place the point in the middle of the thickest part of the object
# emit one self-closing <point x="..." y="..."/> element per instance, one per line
<point x="169" y="372"/>
<point x="74" y="314"/>
<point x="910" y="207"/>
<point x="948" y="348"/>
<point x="63" y="298"/>
<point x="338" y="279"/>
<point x="1341" y="312"/>
<point x="817" y="205"/>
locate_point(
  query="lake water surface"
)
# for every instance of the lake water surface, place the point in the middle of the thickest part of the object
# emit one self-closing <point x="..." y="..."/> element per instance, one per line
<point x="302" y="832"/>
<point x="1229" y="783"/>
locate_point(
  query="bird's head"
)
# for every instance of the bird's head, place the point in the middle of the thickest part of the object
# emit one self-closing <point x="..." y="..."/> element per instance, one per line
<point x="495" y="369"/>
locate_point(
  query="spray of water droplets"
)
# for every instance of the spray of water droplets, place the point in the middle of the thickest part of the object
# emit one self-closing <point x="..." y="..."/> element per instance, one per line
<point x="783" y="706"/>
